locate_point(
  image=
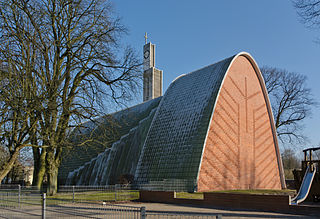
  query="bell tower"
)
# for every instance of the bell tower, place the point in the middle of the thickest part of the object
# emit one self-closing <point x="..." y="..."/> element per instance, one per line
<point x="152" y="77"/>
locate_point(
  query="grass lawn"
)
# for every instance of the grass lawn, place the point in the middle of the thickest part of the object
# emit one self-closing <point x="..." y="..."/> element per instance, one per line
<point x="261" y="191"/>
<point x="60" y="198"/>
<point x="199" y="195"/>
<point x="196" y="195"/>
<point x="126" y="195"/>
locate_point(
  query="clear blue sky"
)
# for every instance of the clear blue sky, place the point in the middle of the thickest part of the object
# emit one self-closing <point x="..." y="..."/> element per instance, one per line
<point x="191" y="34"/>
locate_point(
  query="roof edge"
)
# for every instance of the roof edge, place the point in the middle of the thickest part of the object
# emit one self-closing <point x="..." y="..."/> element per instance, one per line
<point x="271" y="118"/>
<point x="266" y="97"/>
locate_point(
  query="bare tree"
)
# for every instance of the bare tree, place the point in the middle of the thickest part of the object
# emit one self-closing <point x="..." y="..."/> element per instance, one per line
<point x="308" y="11"/>
<point x="3" y="155"/>
<point x="290" y="162"/>
<point x="76" y="59"/>
<point x="15" y="113"/>
<point x="291" y="102"/>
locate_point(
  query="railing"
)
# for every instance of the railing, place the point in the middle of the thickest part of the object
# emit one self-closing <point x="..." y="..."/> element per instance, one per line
<point x="22" y="189"/>
<point x="93" y="188"/>
<point x="75" y="201"/>
<point x="18" y="205"/>
<point x="107" y="193"/>
<point x="177" y="185"/>
<point x="315" y="163"/>
<point x="80" y="193"/>
<point x="13" y="205"/>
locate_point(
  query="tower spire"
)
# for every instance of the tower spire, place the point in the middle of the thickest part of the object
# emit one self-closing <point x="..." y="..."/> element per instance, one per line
<point x="152" y="77"/>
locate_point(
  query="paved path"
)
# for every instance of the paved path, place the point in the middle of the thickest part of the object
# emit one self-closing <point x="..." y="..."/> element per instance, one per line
<point x="125" y="210"/>
<point x="226" y="213"/>
<point x="77" y="210"/>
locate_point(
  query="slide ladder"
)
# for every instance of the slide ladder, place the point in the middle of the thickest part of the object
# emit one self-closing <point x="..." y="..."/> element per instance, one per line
<point x="305" y="186"/>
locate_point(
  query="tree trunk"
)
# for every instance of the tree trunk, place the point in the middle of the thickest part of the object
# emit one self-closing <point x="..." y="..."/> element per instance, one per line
<point x="52" y="179"/>
<point x="52" y="167"/>
<point x="36" y="154"/>
<point x="5" y="169"/>
<point x="36" y="165"/>
<point x="42" y="169"/>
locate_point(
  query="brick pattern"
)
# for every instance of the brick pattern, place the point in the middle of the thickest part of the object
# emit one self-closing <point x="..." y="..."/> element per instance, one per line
<point x="240" y="151"/>
<point x="274" y="203"/>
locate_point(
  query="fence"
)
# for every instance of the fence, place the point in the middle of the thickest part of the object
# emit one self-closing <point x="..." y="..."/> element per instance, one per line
<point x="177" y="185"/>
<point x="13" y="205"/>
<point x="76" y="202"/>
<point x="106" y="193"/>
<point x="22" y="189"/>
<point x="81" y="193"/>
<point x="19" y="205"/>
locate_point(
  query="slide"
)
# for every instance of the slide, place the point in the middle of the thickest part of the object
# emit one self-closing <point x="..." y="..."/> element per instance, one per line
<point x="305" y="187"/>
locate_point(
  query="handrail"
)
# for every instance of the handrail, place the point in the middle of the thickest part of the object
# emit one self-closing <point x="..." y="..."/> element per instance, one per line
<point x="311" y="149"/>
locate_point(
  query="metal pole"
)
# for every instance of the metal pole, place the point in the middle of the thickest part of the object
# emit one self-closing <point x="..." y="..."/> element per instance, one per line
<point x="305" y="156"/>
<point x="19" y="196"/>
<point x="143" y="212"/>
<point x="311" y="166"/>
<point x="43" y="205"/>
<point x="73" y="194"/>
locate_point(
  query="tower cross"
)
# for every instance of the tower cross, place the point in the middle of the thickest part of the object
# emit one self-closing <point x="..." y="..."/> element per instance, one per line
<point x="146" y="37"/>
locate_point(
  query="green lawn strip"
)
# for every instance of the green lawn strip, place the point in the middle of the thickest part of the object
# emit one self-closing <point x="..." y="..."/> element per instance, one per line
<point x="186" y="195"/>
<point x="199" y="195"/>
<point x="24" y="201"/>
<point x="63" y="198"/>
<point x="93" y="196"/>
<point x="259" y="191"/>
<point x="11" y="199"/>
<point x="8" y="203"/>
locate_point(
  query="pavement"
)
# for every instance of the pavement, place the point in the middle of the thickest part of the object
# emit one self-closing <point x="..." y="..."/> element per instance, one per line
<point x="173" y="209"/>
<point x="133" y="209"/>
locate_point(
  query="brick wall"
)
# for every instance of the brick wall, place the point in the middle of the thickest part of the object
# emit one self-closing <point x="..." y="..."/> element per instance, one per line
<point x="248" y="201"/>
<point x="226" y="200"/>
<point x="240" y="150"/>
<point x="275" y="203"/>
<point x="155" y="196"/>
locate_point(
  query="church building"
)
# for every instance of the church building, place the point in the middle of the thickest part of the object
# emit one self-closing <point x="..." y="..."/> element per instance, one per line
<point x="212" y="129"/>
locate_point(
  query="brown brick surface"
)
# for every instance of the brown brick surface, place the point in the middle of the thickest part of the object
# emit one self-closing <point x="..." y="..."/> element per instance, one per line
<point x="275" y="203"/>
<point x="157" y="196"/>
<point x="248" y="201"/>
<point x="240" y="150"/>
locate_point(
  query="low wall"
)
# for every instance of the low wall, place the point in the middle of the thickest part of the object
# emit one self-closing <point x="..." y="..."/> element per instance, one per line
<point x="155" y="196"/>
<point x="166" y="197"/>
<point x="248" y="201"/>
<point x="276" y="203"/>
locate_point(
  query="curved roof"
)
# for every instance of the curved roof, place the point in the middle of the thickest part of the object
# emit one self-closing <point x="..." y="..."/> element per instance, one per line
<point x="105" y="131"/>
<point x="175" y="142"/>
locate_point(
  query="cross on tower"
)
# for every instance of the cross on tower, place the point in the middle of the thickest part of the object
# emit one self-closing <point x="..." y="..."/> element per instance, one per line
<point x="146" y="37"/>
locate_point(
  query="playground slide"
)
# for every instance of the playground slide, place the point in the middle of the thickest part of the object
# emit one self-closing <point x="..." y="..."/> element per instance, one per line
<point x="305" y="187"/>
